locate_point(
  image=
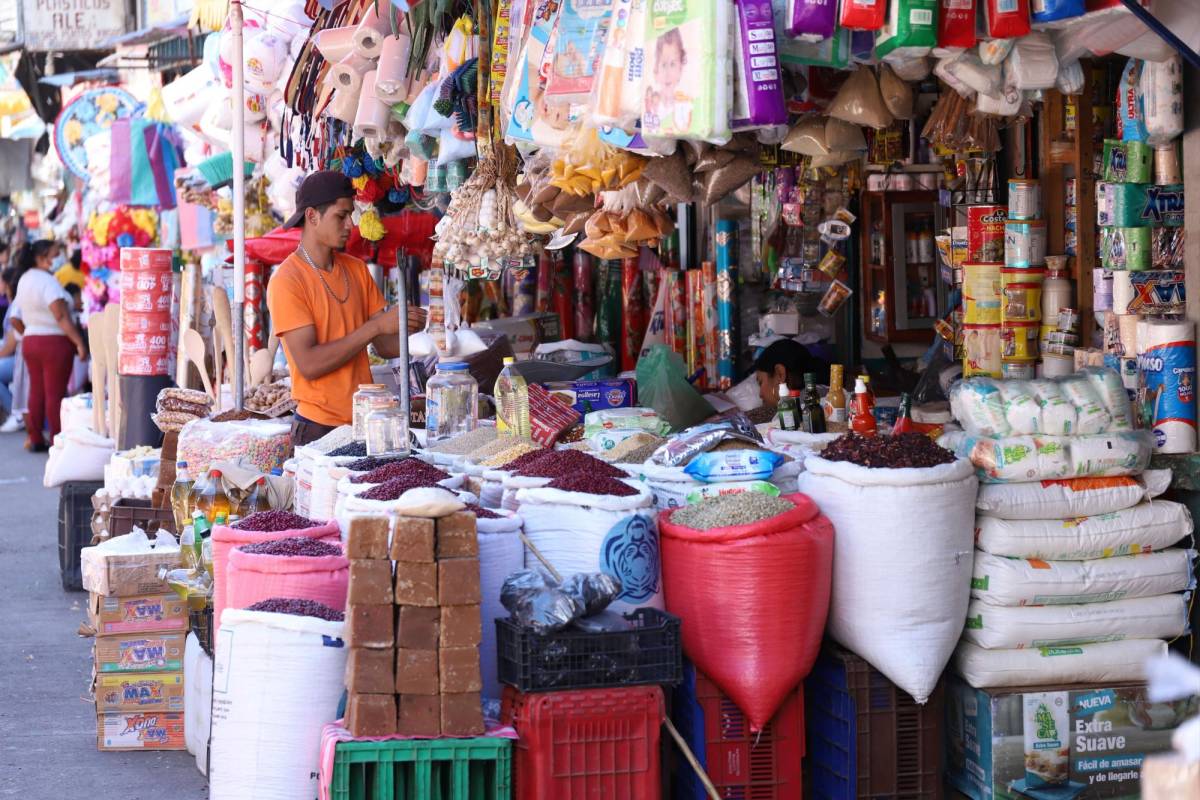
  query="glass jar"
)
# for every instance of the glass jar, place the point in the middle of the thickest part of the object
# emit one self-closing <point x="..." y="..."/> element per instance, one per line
<point x="368" y="397"/>
<point x="451" y="402"/>
<point x="387" y="431"/>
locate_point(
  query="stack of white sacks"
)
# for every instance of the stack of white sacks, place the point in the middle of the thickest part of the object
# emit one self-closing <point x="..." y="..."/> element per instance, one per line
<point x="1077" y="577"/>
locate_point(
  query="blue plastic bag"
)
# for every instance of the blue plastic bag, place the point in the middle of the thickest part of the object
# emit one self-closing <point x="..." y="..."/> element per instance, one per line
<point x="733" y="465"/>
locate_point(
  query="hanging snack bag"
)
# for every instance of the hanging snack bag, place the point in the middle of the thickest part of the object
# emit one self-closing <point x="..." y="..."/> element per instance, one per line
<point x="1006" y="19"/>
<point x="956" y="23"/>
<point x="809" y="20"/>
<point x="688" y="75"/>
<point x="863" y="15"/>
<point x="910" y="30"/>
<point x="758" y="84"/>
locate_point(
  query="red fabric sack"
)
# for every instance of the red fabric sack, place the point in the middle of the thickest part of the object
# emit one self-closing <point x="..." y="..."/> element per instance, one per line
<point x="862" y="15"/>
<point x="1008" y="23"/>
<point x="252" y="577"/>
<point x="753" y="600"/>
<point x="956" y="23"/>
<point x="225" y="539"/>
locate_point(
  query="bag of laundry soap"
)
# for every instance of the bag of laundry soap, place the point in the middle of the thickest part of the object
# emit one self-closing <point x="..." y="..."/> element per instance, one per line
<point x="910" y="29"/>
<point x="863" y="15"/>
<point x="956" y="23"/>
<point x="1006" y="19"/>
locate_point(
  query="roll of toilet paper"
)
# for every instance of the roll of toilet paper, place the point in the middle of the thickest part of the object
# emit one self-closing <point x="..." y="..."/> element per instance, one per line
<point x="1167" y="363"/>
<point x="347" y="73"/>
<point x="1127" y="328"/>
<point x="335" y="43"/>
<point x="369" y="35"/>
<point x="391" y="80"/>
<point x="1122" y="291"/>
<point x="371" y="119"/>
<point x="343" y="105"/>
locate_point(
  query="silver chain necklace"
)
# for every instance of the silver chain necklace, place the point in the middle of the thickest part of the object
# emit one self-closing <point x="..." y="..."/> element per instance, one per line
<point x="321" y="274"/>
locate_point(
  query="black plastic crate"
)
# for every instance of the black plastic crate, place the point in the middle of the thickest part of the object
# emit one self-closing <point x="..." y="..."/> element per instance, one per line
<point x="74" y="528"/>
<point x="129" y="512"/>
<point x="572" y="659"/>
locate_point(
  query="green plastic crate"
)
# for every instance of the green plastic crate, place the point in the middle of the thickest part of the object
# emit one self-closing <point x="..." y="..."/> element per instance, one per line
<point x="423" y="769"/>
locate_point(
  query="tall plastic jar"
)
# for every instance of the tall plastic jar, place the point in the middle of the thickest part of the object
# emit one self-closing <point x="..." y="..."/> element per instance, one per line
<point x="1057" y="292"/>
<point x="369" y="397"/>
<point x="451" y="402"/>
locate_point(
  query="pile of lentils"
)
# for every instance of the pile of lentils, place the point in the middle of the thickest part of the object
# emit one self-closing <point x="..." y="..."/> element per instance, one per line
<point x="391" y="490"/>
<point x="356" y="449"/>
<point x="465" y="442"/>
<point x="887" y="452"/>
<point x="299" y="608"/>
<point x="730" y="510"/>
<point x="408" y="468"/>
<point x="274" y="520"/>
<point x="589" y="484"/>
<point x="293" y="546"/>
<point x="563" y="463"/>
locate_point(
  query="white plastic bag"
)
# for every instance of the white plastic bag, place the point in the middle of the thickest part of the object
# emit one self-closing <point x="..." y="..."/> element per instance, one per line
<point x="1032" y="64"/>
<point x="501" y="553"/>
<point x="1069" y="498"/>
<point x="1103" y="663"/>
<point x="197" y="704"/>
<point x="1002" y="581"/>
<point x="278" y="679"/>
<point x="579" y="532"/>
<point x="1145" y="527"/>
<point x="891" y="523"/>
<point x="1005" y="627"/>
<point x="77" y="456"/>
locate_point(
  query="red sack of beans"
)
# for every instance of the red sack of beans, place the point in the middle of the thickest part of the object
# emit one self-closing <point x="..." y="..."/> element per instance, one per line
<point x="956" y="23"/>
<point x="225" y="539"/>
<point x="863" y="15"/>
<point x="252" y="577"/>
<point x="716" y="581"/>
<point x="1006" y="19"/>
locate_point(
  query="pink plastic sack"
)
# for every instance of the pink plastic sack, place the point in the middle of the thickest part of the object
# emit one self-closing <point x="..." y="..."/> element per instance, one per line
<point x="956" y="23"/>
<point x="862" y="15"/>
<point x="753" y="600"/>
<point x="225" y="539"/>
<point x="251" y="577"/>
<point x="1007" y="19"/>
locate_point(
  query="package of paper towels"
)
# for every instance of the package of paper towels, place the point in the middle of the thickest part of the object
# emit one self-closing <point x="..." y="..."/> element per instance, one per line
<point x="1167" y="382"/>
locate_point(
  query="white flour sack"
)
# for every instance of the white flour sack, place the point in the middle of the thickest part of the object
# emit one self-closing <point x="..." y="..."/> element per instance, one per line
<point x="579" y="532"/>
<point x="1155" y="525"/>
<point x="1069" y="497"/>
<point x="277" y="680"/>
<point x="500" y="555"/>
<point x="1083" y="663"/>
<point x="1001" y="627"/>
<point x="1002" y="581"/>
<point x="891" y="525"/>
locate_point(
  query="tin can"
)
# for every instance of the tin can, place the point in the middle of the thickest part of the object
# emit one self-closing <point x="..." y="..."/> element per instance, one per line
<point x="1010" y="275"/>
<point x="1071" y="218"/>
<point x="1024" y="199"/>
<point x="1021" y="302"/>
<point x="1025" y="243"/>
<point x="1023" y="369"/>
<point x="1063" y="337"/>
<point x="1070" y="243"/>
<point x="1058" y="365"/>
<point x="981" y="350"/>
<point x="1166" y="164"/>
<point x="1019" y="340"/>
<point x="981" y="294"/>
<point x="985" y="234"/>
<point x="1071" y="192"/>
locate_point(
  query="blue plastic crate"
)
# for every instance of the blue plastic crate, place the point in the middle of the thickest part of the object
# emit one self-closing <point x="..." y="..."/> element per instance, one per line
<point x="867" y="738"/>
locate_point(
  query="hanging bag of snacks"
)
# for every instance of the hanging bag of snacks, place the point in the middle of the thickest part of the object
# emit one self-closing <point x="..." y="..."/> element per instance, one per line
<point x="917" y="517"/>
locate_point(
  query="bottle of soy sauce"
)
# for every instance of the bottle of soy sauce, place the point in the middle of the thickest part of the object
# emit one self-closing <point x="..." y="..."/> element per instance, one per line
<point x="812" y="417"/>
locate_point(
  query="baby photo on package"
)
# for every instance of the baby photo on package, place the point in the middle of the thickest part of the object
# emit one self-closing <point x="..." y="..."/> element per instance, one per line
<point x="687" y="81"/>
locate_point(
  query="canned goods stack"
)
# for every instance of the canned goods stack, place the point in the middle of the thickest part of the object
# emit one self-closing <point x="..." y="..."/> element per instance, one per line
<point x="1022" y="279"/>
<point x="982" y="290"/>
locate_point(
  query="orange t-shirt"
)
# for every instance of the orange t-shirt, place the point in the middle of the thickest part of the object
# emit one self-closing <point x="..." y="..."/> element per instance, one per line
<point x="296" y="298"/>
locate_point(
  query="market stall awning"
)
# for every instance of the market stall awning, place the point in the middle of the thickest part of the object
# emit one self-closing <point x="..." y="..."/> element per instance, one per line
<point x="66" y="79"/>
<point x="151" y="34"/>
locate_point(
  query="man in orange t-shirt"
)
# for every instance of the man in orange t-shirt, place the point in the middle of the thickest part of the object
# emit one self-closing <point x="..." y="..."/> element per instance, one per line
<point x="326" y="308"/>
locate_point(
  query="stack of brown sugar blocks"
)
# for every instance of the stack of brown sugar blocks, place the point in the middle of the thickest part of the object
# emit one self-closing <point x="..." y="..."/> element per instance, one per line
<point x="413" y="631"/>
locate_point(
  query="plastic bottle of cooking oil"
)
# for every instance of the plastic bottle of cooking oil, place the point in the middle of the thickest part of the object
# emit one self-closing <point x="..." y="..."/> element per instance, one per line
<point x="181" y="492"/>
<point x="512" y="403"/>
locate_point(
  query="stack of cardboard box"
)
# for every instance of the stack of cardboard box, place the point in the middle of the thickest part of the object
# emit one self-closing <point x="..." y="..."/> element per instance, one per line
<point x="139" y="626"/>
<point x="414" y="633"/>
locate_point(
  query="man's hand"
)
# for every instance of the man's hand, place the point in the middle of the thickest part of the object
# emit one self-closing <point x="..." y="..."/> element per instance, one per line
<point x="387" y="322"/>
<point x="416" y="319"/>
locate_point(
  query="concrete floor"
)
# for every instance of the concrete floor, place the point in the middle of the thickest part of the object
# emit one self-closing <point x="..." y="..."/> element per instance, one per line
<point x="47" y="723"/>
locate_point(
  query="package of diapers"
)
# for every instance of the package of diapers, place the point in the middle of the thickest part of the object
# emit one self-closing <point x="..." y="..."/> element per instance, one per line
<point x="530" y="85"/>
<point x="910" y="30"/>
<point x="578" y="45"/>
<point x="618" y="94"/>
<point x="811" y="20"/>
<point x="758" y="84"/>
<point x="688" y="70"/>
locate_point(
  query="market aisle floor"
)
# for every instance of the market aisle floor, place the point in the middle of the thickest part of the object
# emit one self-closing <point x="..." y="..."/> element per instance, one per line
<point x="47" y="725"/>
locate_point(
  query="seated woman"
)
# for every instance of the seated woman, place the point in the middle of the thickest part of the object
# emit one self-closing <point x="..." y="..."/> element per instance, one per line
<point x="786" y="361"/>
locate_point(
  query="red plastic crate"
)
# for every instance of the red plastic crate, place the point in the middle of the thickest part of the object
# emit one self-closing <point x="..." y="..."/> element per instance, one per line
<point x="741" y="764"/>
<point x="587" y="744"/>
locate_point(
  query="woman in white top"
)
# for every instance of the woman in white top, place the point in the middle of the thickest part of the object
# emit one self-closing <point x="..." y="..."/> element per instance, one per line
<point x="50" y="339"/>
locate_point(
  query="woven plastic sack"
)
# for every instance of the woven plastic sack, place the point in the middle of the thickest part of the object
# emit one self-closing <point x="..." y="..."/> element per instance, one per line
<point x="1012" y="627"/>
<point x="893" y="523"/>
<point x="251" y="577"/>
<point x="225" y="539"/>
<point x="1001" y="581"/>
<point x="501" y="553"/>
<point x="1104" y="663"/>
<point x="279" y="678"/>
<point x="721" y="582"/>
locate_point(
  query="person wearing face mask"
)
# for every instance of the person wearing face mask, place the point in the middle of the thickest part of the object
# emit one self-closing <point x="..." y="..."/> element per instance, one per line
<point x="50" y="340"/>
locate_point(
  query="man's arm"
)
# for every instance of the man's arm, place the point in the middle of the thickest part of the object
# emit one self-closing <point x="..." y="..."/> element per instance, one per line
<point x="314" y="360"/>
<point x="387" y="343"/>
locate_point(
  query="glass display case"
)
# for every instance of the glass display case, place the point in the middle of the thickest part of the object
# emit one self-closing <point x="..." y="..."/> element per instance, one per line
<point x="902" y="293"/>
